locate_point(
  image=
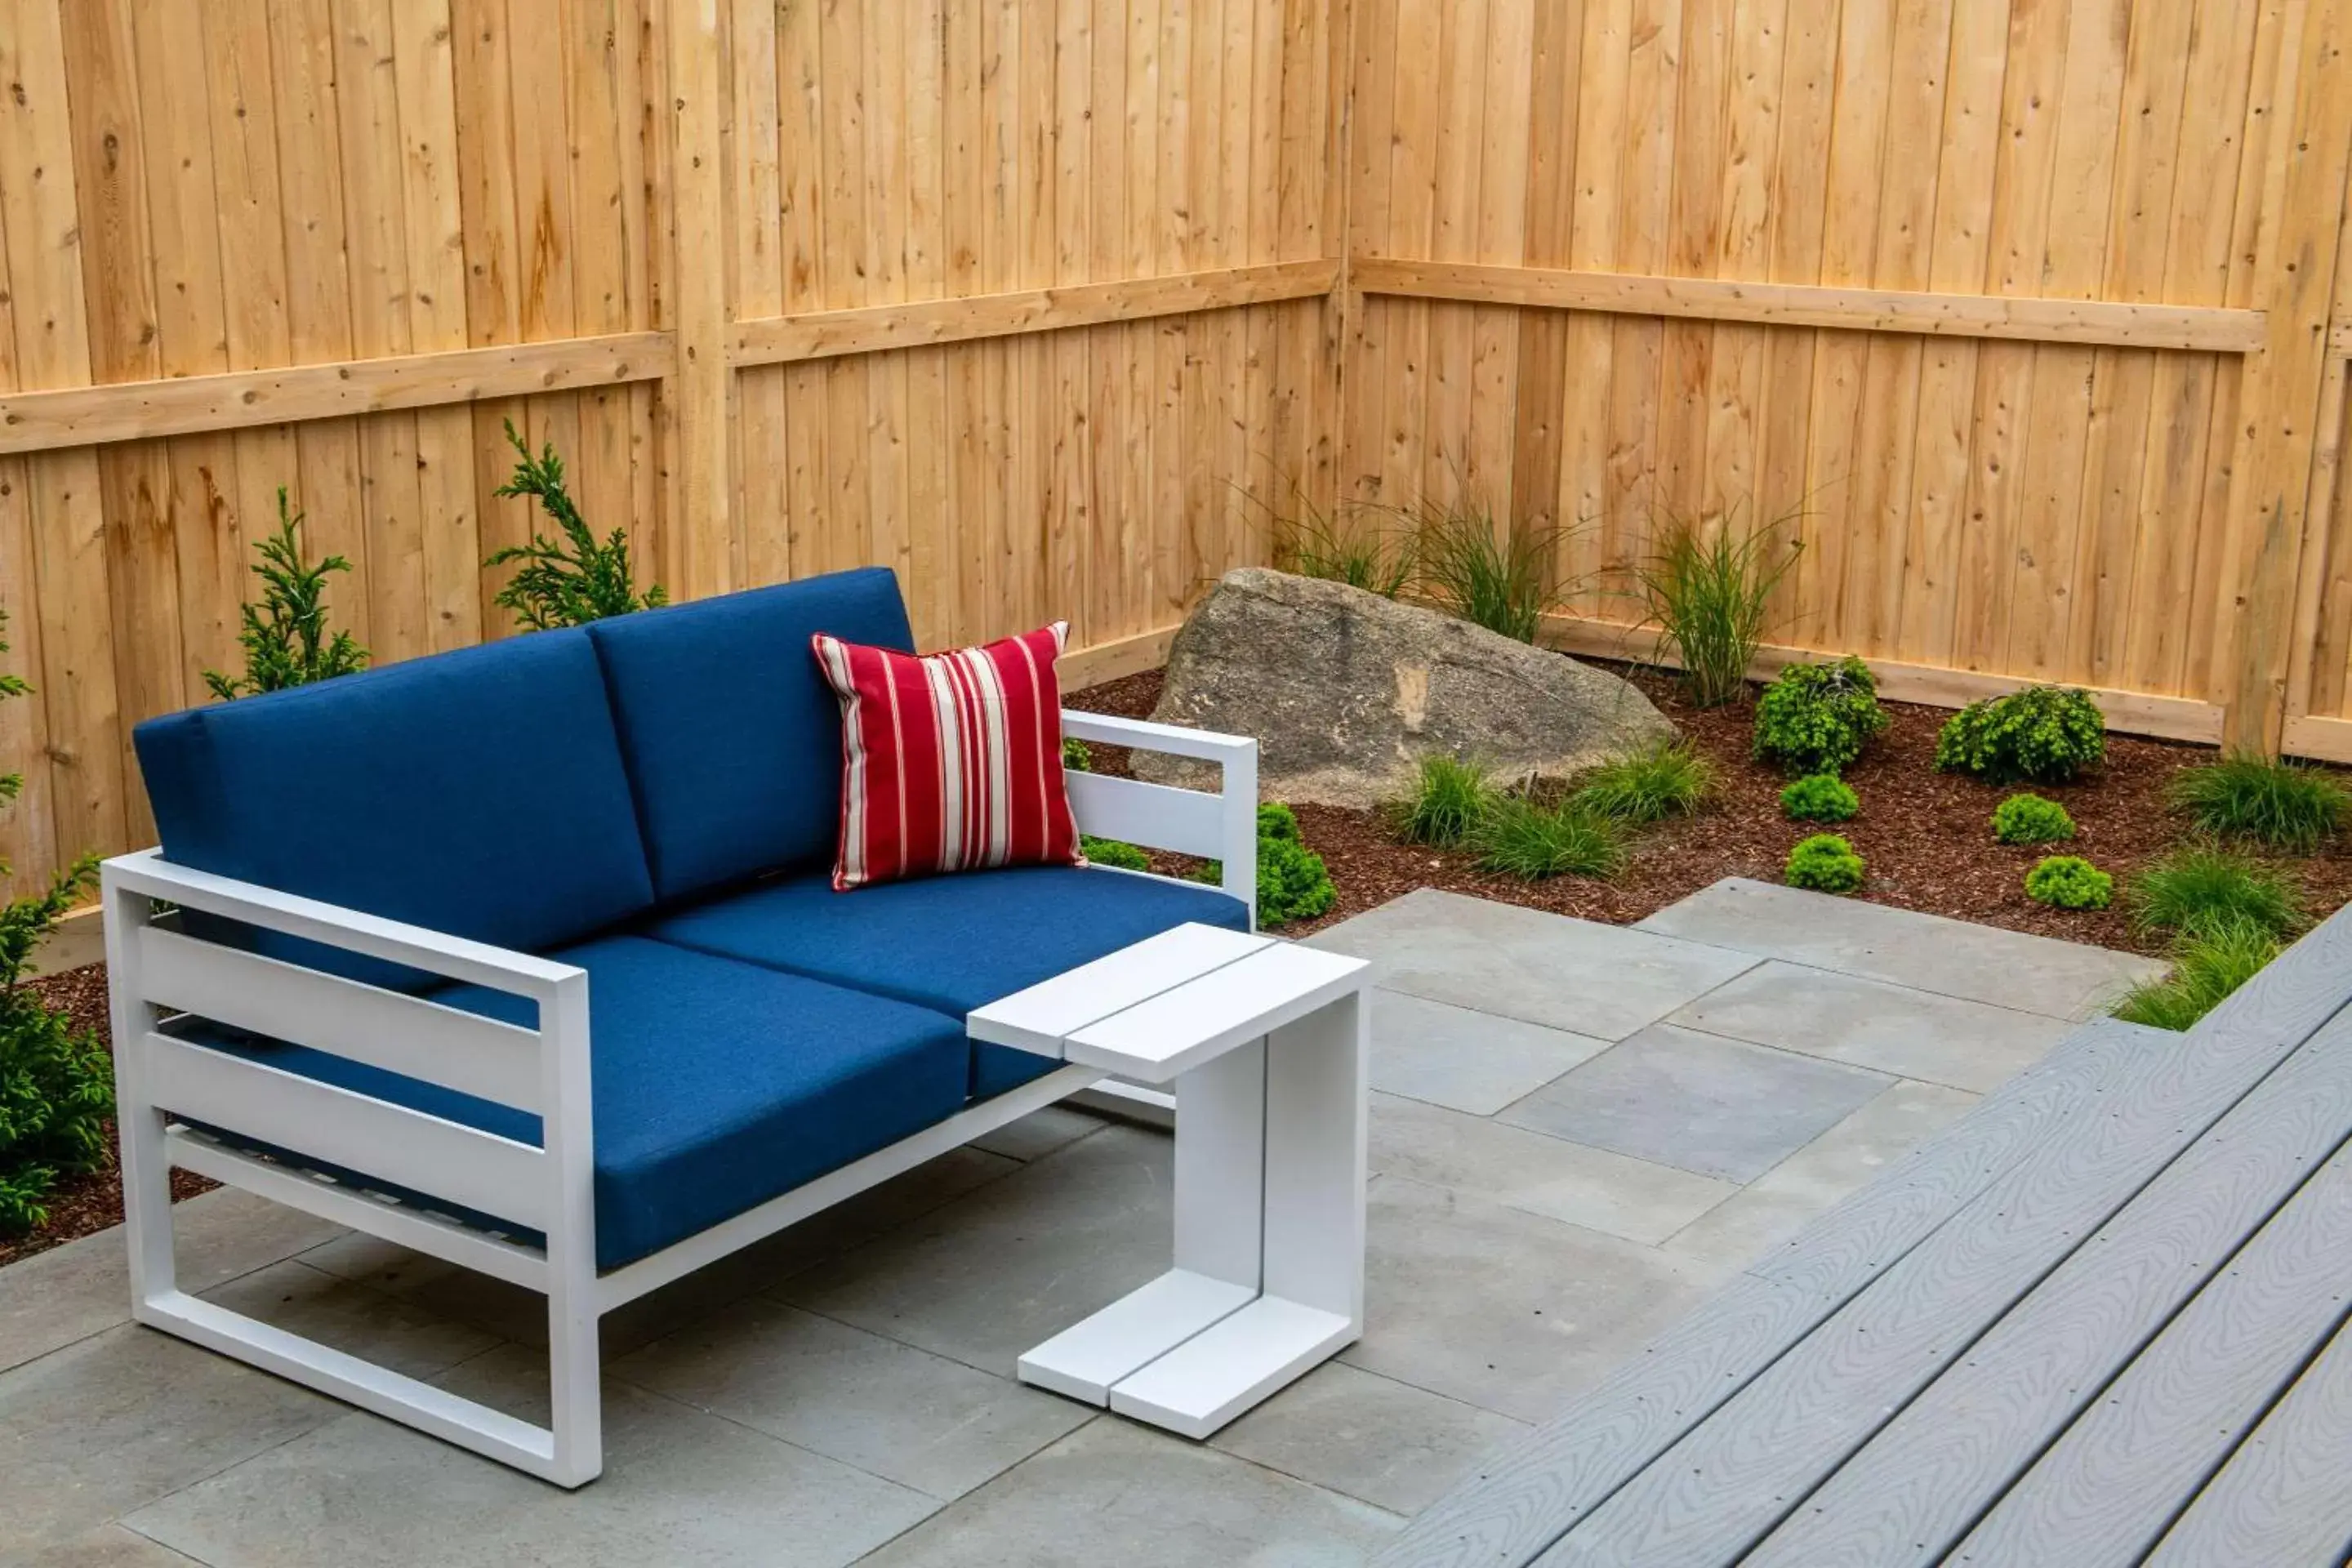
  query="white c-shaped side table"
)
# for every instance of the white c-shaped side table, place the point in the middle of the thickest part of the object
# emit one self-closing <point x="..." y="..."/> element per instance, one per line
<point x="1265" y="1043"/>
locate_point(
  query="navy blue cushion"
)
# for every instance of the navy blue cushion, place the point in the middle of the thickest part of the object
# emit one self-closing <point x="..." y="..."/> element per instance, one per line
<point x="953" y="943"/>
<point x="716" y="1085"/>
<point x="478" y="793"/>
<point x="731" y="736"/>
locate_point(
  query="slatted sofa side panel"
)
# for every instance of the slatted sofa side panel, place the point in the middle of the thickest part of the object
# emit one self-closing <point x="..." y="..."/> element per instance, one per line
<point x="1735" y="1477"/>
<point x="1531" y="1493"/>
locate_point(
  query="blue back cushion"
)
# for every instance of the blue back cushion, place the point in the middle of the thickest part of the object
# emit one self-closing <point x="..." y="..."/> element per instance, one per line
<point x="478" y="793"/>
<point x="732" y="737"/>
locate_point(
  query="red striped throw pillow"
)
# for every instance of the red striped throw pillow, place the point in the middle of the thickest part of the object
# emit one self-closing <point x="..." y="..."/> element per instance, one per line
<point x="950" y="761"/>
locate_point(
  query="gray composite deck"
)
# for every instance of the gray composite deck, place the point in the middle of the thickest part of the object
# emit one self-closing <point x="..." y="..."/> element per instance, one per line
<point x="2099" y="1321"/>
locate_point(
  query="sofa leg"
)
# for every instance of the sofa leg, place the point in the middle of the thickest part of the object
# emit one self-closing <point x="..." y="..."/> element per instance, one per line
<point x="575" y="1382"/>
<point x="146" y="1163"/>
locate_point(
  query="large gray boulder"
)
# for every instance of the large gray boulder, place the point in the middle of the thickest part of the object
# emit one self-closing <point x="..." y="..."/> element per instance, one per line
<point x="1345" y="691"/>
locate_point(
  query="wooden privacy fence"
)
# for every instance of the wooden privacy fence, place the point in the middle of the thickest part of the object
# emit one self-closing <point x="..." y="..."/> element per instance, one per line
<point x="2034" y="308"/>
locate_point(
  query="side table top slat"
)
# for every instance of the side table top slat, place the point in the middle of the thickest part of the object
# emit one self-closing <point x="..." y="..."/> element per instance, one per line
<point x="1159" y="1039"/>
<point x="1041" y="1017"/>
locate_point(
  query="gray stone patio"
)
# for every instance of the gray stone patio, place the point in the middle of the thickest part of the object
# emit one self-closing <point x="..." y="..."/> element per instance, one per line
<point x="1577" y="1130"/>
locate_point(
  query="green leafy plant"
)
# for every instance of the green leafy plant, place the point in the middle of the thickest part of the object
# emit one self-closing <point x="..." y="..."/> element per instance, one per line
<point x="1826" y="863"/>
<point x="1113" y="852"/>
<point x="2283" y="805"/>
<point x="1664" y="778"/>
<point x="1819" y="797"/>
<point x="1818" y="718"/>
<point x="2044" y="733"/>
<point x="1524" y="838"/>
<point x="572" y="581"/>
<point x="1710" y="594"/>
<point x="1497" y="578"/>
<point x="1076" y="755"/>
<point x="2200" y="888"/>
<point x="285" y="636"/>
<point x="1449" y="796"/>
<point x="1293" y="883"/>
<point x="2030" y="819"/>
<point x="1342" y="546"/>
<point x="57" y="1083"/>
<point x="2207" y="966"/>
<point x="2069" y="882"/>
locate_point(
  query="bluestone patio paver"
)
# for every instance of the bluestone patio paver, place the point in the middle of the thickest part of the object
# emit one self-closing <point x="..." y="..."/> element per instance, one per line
<point x="679" y="1488"/>
<point x="1039" y="1133"/>
<point x="1721" y="1108"/>
<point x="109" y="1546"/>
<point x="1114" y="1493"/>
<point x="1466" y="1060"/>
<point x="1903" y="947"/>
<point x="1771" y="1208"/>
<point x="119" y="1420"/>
<point x="1972" y="1046"/>
<point x="351" y="1318"/>
<point x="1504" y="1309"/>
<point x="918" y="1419"/>
<point x="1372" y="1438"/>
<point x="1601" y="1190"/>
<point x="1601" y="981"/>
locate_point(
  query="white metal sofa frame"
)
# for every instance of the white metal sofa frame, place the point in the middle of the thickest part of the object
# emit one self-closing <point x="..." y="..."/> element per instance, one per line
<point x="155" y="971"/>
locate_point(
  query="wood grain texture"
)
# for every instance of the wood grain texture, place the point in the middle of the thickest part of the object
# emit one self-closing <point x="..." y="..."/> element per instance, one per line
<point x="2104" y="1491"/>
<point x="1523" y="1499"/>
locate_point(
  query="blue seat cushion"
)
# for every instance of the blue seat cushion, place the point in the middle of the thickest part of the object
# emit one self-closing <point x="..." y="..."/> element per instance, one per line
<point x="478" y="793"/>
<point x="715" y="1084"/>
<point x="951" y="943"/>
<point x="731" y="736"/>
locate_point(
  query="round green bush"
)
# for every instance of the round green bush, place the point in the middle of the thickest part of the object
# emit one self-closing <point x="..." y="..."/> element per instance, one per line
<point x="2030" y="819"/>
<point x="2044" y="733"/>
<point x="2069" y="882"/>
<point x="1076" y="755"/>
<point x="1115" y="853"/>
<point x="1817" y="717"/>
<point x="1292" y="884"/>
<point x="1819" y="797"/>
<point x="1826" y="863"/>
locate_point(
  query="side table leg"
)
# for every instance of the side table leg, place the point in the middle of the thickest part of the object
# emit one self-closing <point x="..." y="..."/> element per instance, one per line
<point x="1313" y="1300"/>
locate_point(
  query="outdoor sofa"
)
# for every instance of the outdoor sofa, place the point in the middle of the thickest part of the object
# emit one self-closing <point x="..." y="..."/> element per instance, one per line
<point x="525" y="956"/>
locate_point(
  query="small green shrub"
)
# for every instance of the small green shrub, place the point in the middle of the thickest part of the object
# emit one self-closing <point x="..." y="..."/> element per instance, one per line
<point x="2283" y="805"/>
<point x="2207" y="965"/>
<point x="1819" y="797"/>
<point x="2199" y="888"/>
<point x="1076" y="755"/>
<point x="1817" y="717"/>
<point x="10" y="686"/>
<point x="1520" y="838"/>
<point x="1292" y="884"/>
<point x="57" y="1083"/>
<point x="1662" y="779"/>
<point x="1826" y="863"/>
<point x="560" y="586"/>
<point x="1113" y="852"/>
<point x="1449" y="796"/>
<point x="2030" y="819"/>
<point x="2069" y="882"/>
<point x="2044" y="733"/>
<point x="285" y="636"/>
<point x="1490" y="576"/>
<point x="1710" y="597"/>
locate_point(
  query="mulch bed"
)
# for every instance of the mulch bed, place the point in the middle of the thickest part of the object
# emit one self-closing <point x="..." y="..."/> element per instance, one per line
<point x="1927" y="836"/>
<point x="1924" y="834"/>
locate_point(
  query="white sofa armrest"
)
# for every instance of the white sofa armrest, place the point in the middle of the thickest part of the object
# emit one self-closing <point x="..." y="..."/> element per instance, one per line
<point x="1220" y="827"/>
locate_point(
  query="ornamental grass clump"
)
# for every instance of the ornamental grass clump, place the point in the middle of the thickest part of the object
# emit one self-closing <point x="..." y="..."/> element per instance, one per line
<point x="1826" y="863"/>
<point x="1448" y="798"/>
<point x="1818" y="718"/>
<point x="1819" y="797"/>
<point x="1662" y="779"/>
<point x="1710" y="594"/>
<point x="1340" y="547"/>
<point x="1292" y="884"/>
<point x="2043" y="734"/>
<point x="2030" y="819"/>
<point x="2284" y="805"/>
<point x="1525" y="838"/>
<point x="2069" y="882"/>
<point x="1490" y="576"/>
<point x="2207" y="966"/>
<point x="2200" y="888"/>
<point x="284" y="634"/>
